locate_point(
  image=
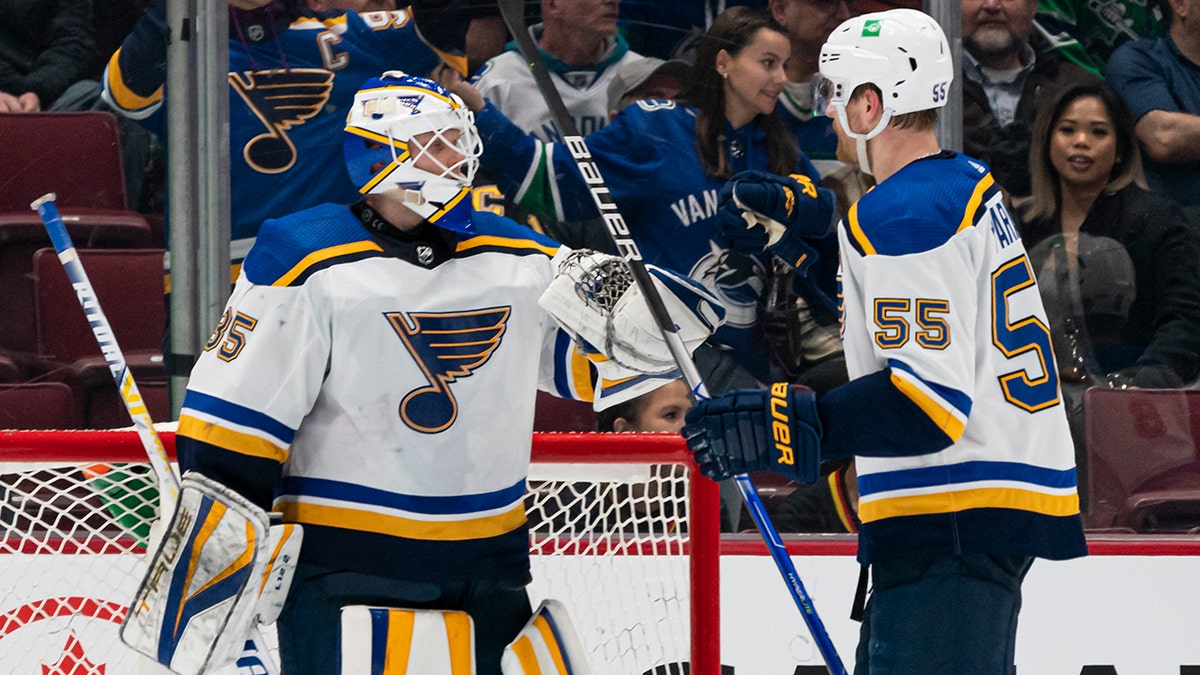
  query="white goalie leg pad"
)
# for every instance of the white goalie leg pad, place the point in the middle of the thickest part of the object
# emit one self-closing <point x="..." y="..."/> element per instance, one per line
<point x="378" y="640"/>
<point x="548" y="645"/>
<point x="278" y="569"/>
<point x="593" y="297"/>
<point x="196" y="604"/>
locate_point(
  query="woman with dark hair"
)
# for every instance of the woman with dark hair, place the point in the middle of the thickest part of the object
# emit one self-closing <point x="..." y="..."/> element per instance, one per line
<point x="665" y="163"/>
<point x="1118" y="265"/>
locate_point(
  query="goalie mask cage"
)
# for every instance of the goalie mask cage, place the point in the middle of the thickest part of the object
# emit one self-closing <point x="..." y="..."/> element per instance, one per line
<point x="622" y="530"/>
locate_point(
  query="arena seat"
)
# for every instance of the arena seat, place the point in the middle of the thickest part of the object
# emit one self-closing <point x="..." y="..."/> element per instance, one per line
<point x="129" y="286"/>
<point x="77" y="156"/>
<point x="22" y="234"/>
<point x="552" y="413"/>
<point x="1143" y="467"/>
<point x="37" y="405"/>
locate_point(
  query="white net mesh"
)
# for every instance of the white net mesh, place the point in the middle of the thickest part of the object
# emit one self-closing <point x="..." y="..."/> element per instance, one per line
<point x="610" y="541"/>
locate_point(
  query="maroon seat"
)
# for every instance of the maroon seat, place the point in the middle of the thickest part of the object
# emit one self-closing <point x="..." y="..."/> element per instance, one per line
<point x="559" y="414"/>
<point x="37" y="405"/>
<point x="129" y="287"/>
<point x="77" y="156"/>
<point x="1143" y="468"/>
<point x="22" y="234"/>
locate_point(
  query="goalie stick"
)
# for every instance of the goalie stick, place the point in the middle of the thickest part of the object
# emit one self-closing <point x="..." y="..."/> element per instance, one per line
<point x="513" y="13"/>
<point x="155" y="450"/>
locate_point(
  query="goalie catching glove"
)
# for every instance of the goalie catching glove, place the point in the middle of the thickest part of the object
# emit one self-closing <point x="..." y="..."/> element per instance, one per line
<point x="594" y="298"/>
<point x="760" y="211"/>
<point x="757" y="430"/>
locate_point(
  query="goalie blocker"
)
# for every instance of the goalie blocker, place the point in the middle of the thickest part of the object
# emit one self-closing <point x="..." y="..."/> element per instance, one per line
<point x="219" y="567"/>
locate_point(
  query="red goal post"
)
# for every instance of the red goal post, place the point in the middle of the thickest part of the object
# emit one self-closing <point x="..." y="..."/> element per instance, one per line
<point x="622" y="530"/>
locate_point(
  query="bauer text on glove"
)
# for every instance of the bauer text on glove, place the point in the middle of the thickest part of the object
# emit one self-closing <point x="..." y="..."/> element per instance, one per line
<point x="755" y="430"/>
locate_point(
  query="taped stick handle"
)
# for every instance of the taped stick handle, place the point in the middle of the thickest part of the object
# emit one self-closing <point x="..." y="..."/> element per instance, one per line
<point x="513" y="13"/>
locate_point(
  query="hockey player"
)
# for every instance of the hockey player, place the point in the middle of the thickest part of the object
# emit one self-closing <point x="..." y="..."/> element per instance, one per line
<point x="374" y="377"/>
<point x="665" y="164"/>
<point x="965" y="465"/>
<point x="292" y="74"/>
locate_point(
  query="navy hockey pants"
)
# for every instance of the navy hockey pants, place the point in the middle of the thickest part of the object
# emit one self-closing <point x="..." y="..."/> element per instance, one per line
<point x="942" y="616"/>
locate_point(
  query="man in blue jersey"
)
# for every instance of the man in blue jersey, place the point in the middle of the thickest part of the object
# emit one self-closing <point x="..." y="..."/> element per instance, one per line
<point x="953" y="413"/>
<point x="352" y="385"/>
<point x="293" y="70"/>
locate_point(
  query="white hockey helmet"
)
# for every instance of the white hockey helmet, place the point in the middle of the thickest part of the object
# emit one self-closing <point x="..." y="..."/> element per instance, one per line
<point x="381" y="152"/>
<point x="903" y="52"/>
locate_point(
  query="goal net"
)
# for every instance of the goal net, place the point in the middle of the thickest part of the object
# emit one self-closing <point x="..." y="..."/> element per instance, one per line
<point x="621" y="529"/>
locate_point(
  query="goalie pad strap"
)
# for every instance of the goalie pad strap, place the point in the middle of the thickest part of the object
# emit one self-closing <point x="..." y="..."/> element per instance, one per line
<point x="547" y="645"/>
<point x="196" y="604"/>
<point x="378" y="640"/>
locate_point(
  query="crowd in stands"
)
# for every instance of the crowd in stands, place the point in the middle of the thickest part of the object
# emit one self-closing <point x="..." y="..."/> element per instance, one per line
<point x="1087" y="113"/>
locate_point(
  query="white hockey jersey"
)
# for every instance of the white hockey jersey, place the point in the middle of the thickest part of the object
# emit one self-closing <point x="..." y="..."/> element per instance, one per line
<point x="381" y="392"/>
<point x="953" y="409"/>
<point x="508" y="83"/>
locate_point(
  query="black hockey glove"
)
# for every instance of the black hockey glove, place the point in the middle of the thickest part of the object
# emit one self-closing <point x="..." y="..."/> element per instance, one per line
<point x="760" y="211"/>
<point x="755" y="430"/>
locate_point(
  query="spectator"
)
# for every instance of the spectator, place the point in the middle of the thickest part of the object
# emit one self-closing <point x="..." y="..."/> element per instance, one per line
<point x="661" y="410"/>
<point x="1160" y="81"/>
<point x="808" y="23"/>
<point x="45" y="47"/>
<point x="645" y="79"/>
<point x="665" y="165"/>
<point x="1008" y="69"/>
<point x="1087" y="33"/>
<point x="1116" y="264"/>
<point x="582" y="50"/>
<point x="1090" y="210"/>
<point x="284" y="150"/>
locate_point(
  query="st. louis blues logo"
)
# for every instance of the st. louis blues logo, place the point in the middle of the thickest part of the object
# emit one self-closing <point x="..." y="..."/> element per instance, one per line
<point x="447" y="346"/>
<point x="281" y="99"/>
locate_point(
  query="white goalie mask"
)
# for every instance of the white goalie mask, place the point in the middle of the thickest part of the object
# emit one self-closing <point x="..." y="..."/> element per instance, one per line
<point x="903" y="52"/>
<point x="397" y="121"/>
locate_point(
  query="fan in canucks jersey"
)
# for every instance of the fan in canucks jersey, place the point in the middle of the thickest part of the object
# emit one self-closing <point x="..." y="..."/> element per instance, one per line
<point x="966" y="469"/>
<point x="292" y="75"/>
<point x="375" y="372"/>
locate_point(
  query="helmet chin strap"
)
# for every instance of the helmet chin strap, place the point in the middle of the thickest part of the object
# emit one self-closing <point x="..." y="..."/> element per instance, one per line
<point x="860" y="140"/>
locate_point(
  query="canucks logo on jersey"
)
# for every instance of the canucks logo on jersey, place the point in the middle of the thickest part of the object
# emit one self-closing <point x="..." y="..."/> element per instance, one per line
<point x="447" y="346"/>
<point x="280" y="99"/>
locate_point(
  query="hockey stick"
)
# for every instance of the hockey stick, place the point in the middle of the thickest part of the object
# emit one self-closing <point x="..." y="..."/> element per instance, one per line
<point x="155" y="450"/>
<point x="513" y="12"/>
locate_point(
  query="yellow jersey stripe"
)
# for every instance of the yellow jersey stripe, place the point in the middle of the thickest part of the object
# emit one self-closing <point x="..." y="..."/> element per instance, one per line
<point x="505" y="242"/>
<point x="973" y="203"/>
<point x="399" y="526"/>
<point x="121" y="94"/>
<point x="581" y="376"/>
<point x="942" y="417"/>
<point x="962" y="500"/>
<point x="323" y="255"/>
<point x="856" y="231"/>
<point x="233" y="441"/>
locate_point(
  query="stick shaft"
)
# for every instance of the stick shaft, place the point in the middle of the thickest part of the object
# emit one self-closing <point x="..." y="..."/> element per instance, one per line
<point x="155" y="450"/>
<point x="513" y="13"/>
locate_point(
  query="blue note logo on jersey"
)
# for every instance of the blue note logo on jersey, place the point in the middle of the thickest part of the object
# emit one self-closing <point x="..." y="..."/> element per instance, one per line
<point x="448" y="346"/>
<point x="281" y="99"/>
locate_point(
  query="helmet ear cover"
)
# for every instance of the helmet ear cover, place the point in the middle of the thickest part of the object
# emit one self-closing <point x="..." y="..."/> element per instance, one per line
<point x="382" y="154"/>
